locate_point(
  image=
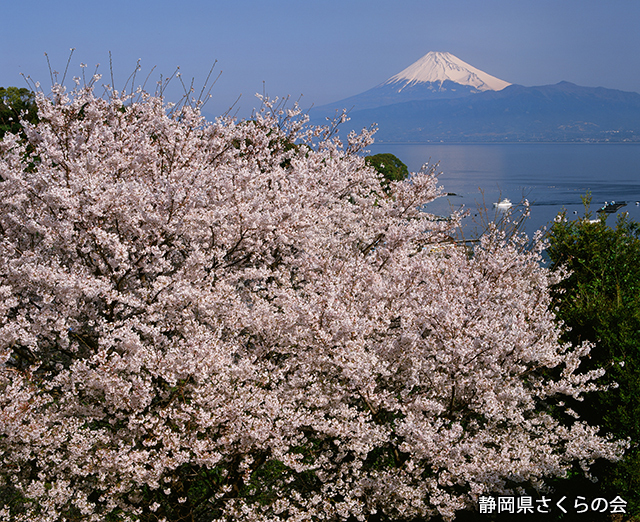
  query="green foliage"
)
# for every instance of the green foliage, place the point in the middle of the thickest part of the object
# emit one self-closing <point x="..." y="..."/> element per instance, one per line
<point x="16" y="104"/>
<point x="600" y="302"/>
<point x="391" y="168"/>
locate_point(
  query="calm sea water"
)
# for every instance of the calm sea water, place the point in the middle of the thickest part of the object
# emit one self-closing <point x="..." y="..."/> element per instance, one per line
<point x="551" y="176"/>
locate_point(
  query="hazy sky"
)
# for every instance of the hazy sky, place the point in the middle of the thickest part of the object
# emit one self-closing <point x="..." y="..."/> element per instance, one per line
<point x="325" y="50"/>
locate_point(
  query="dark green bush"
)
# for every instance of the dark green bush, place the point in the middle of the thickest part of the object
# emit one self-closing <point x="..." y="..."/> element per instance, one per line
<point x="16" y="104"/>
<point x="391" y="168"/>
<point x="600" y="303"/>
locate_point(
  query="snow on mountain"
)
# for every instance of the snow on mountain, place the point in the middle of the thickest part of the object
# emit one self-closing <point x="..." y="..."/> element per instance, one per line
<point x="437" y="67"/>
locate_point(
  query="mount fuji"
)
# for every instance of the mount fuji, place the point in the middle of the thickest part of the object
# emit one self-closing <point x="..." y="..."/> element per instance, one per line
<point x="435" y="76"/>
<point x="441" y="98"/>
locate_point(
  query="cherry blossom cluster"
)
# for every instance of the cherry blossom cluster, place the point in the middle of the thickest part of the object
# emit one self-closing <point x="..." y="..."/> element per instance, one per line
<point x="234" y="321"/>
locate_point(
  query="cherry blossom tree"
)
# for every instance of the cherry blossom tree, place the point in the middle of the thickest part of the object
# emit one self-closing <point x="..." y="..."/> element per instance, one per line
<point x="235" y="321"/>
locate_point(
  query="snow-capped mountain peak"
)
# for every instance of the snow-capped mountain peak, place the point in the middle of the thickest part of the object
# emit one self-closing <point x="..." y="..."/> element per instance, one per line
<point x="437" y="67"/>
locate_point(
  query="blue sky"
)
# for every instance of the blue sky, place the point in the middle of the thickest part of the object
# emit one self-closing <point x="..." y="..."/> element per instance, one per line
<point x="322" y="50"/>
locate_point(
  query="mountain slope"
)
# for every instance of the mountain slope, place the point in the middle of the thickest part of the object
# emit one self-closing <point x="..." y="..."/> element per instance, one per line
<point x="560" y="112"/>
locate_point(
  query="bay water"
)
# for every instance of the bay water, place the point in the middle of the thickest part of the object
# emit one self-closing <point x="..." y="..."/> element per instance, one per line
<point x="551" y="176"/>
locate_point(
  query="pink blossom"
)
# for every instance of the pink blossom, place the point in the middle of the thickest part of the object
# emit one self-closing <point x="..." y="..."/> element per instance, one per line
<point x="241" y="304"/>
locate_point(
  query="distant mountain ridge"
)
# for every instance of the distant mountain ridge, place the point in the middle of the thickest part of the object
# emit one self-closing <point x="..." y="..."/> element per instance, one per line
<point x="560" y="112"/>
<point x="423" y="103"/>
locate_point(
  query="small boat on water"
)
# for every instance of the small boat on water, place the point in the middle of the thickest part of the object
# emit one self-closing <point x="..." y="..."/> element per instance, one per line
<point x="503" y="204"/>
<point x="610" y="208"/>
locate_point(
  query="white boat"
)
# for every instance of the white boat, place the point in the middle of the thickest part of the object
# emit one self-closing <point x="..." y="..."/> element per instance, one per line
<point x="503" y="204"/>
